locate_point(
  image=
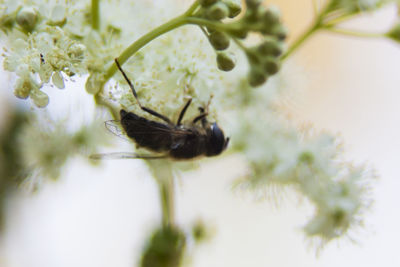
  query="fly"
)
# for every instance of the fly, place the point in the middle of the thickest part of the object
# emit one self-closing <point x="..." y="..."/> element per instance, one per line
<point x="169" y="140"/>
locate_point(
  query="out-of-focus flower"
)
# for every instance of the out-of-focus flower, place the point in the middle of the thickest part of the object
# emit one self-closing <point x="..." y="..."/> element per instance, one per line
<point x="46" y="145"/>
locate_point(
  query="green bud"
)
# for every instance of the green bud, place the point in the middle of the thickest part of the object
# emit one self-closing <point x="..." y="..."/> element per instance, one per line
<point x="234" y="7"/>
<point x="280" y="31"/>
<point x="271" y="65"/>
<point x="306" y="157"/>
<point x="200" y="232"/>
<point x="219" y="40"/>
<point x="253" y="4"/>
<point x="239" y="31"/>
<point x="225" y="61"/>
<point x="271" y="16"/>
<point x="27" y="18"/>
<point x="165" y="248"/>
<point x="207" y="3"/>
<point x="7" y="21"/>
<point x="271" y="46"/>
<point x="256" y="77"/>
<point x="394" y="33"/>
<point x="252" y="15"/>
<point x="253" y="56"/>
<point x="217" y="11"/>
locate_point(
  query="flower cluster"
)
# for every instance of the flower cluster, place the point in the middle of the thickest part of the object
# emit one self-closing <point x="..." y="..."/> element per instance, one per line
<point x="40" y="48"/>
<point x="54" y="145"/>
<point x="311" y="164"/>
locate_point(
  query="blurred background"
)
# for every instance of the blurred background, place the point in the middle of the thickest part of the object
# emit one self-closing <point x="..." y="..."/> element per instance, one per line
<point x="101" y="216"/>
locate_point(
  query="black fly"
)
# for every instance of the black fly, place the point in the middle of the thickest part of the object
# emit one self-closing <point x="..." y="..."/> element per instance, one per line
<point x="178" y="141"/>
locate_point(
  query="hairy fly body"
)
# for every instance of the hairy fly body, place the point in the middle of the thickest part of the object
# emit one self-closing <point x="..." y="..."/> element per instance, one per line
<point x="174" y="140"/>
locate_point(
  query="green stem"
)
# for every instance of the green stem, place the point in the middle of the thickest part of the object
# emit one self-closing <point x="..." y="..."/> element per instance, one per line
<point x="203" y="22"/>
<point x="95" y="12"/>
<point x="333" y="22"/>
<point x="167" y="201"/>
<point x="315" y="7"/>
<point x="318" y="24"/>
<point x="192" y="8"/>
<point x="354" y="33"/>
<point x="301" y="40"/>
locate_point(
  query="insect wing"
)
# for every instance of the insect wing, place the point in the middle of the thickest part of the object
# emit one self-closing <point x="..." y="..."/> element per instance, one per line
<point x="115" y="127"/>
<point x="124" y="155"/>
<point x="152" y="135"/>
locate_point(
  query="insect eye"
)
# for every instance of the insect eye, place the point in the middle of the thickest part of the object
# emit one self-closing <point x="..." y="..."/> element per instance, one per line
<point x="217" y="140"/>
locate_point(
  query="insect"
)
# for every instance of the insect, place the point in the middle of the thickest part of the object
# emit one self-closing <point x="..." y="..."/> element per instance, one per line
<point x="170" y="140"/>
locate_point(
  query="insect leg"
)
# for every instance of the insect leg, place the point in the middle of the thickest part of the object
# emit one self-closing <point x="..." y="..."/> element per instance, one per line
<point x="201" y="117"/>
<point x="183" y="112"/>
<point x="152" y="112"/>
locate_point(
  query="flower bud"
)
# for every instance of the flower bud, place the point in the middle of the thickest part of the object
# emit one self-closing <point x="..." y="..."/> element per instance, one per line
<point x="58" y="16"/>
<point x="253" y="56"/>
<point x="76" y="50"/>
<point x="271" y="65"/>
<point x="94" y="83"/>
<point x="207" y="3"/>
<point x="217" y="11"/>
<point x="238" y="32"/>
<point x="306" y="157"/>
<point x="58" y="80"/>
<point x="7" y="21"/>
<point x="256" y="77"/>
<point x="253" y="4"/>
<point x="271" y="47"/>
<point x="27" y="18"/>
<point x="234" y="7"/>
<point x="219" y="40"/>
<point x="166" y="247"/>
<point x="225" y="61"/>
<point x="271" y="16"/>
<point x="23" y="88"/>
<point x="40" y="99"/>
<point x="280" y="31"/>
